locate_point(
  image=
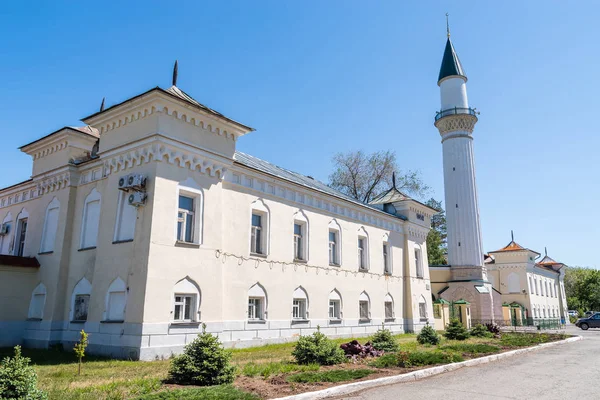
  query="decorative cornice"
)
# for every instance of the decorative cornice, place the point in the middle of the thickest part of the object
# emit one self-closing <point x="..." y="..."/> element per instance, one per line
<point x="464" y="123"/>
<point x="53" y="183"/>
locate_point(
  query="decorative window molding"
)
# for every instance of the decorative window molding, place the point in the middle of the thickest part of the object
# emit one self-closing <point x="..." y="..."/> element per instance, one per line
<point x="257" y="303"/>
<point x="21" y="233"/>
<point x="50" y="226"/>
<point x="260" y="222"/>
<point x="189" y="223"/>
<point x="126" y="218"/>
<point x="90" y="220"/>
<point x="5" y="240"/>
<point x="116" y="301"/>
<point x="37" y="303"/>
<point x="419" y="261"/>
<point x="364" y="307"/>
<point x="422" y="308"/>
<point x="388" y="264"/>
<point x="335" y="305"/>
<point x="300" y="304"/>
<point x="363" y="249"/>
<point x="301" y="236"/>
<point x="186" y="301"/>
<point x="388" y="304"/>
<point x="335" y="243"/>
<point x="80" y="300"/>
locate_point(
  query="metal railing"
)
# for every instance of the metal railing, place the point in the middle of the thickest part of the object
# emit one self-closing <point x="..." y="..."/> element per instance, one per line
<point x="455" y="111"/>
<point x="535" y="323"/>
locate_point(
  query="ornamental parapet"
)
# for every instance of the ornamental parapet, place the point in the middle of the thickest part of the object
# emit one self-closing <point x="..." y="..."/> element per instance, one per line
<point x="456" y="119"/>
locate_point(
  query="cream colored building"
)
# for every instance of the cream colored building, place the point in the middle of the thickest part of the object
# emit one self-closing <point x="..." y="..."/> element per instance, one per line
<point x="146" y="223"/>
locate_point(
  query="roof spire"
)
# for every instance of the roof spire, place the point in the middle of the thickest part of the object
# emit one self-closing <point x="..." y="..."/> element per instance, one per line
<point x="175" y="74"/>
<point x="102" y="104"/>
<point x="394" y="179"/>
<point x="447" y="25"/>
<point x="545" y="251"/>
<point x="512" y="235"/>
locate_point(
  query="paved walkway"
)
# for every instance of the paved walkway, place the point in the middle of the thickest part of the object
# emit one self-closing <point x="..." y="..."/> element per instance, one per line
<point x="568" y="371"/>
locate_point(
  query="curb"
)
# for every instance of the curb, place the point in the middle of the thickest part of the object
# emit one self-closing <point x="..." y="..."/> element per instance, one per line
<point x="420" y="374"/>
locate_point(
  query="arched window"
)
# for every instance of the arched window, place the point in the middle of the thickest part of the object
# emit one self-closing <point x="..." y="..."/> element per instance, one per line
<point x="335" y="305"/>
<point x="38" y="300"/>
<point x="364" y="307"/>
<point x="418" y="261"/>
<point x="363" y="249"/>
<point x="301" y="233"/>
<point x="6" y="230"/>
<point x="90" y="220"/>
<point x="188" y="227"/>
<point x="389" y="307"/>
<point x="186" y="301"/>
<point x="21" y="233"/>
<point x="50" y="226"/>
<point x="257" y="303"/>
<point x="80" y="300"/>
<point x="259" y="228"/>
<point x="116" y="301"/>
<point x="300" y="304"/>
<point x="514" y="284"/>
<point x="422" y="308"/>
<point x="387" y="255"/>
<point x="335" y="243"/>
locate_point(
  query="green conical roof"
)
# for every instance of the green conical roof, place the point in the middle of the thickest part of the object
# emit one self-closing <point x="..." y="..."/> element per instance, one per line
<point x="450" y="63"/>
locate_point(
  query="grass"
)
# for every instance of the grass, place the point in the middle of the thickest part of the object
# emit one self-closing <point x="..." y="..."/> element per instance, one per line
<point x="528" y="339"/>
<point x="337" y="375"/>
<point x="471" y="348"/>
<point x="208" y="393"/>
<point x="265" y="370"/>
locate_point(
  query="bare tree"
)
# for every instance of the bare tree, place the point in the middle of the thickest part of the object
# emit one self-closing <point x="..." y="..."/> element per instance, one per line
<point x="363" y="176"/>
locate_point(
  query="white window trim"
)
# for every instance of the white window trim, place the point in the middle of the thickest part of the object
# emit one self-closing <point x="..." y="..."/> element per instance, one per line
<point x="334" y="226"/>
<point x="418" y="257"/>
<point x="389" y="263"/>
<point x="334" y="295"/>
<point x="259" y="207"/>
<point x="116" y="286"/>
<point x="389" y="299"/>
<point x="123" y="202"/>
<point x="189" y="188"/>
<point x="422" y="300"/>
<point x="362" y="234"/>
<point x="83" y="287"/>
<point x="300" y="295"/>
<point x="53" y="205"/>
<point x="257" y="291"/>
<point x="301" y="219"/>
<point x="93" y="196"/>
<point x="187" y="287"/>
<point x="21" y="216"/>
<point x="364" y="297"/>
<point x="193" y="302"/>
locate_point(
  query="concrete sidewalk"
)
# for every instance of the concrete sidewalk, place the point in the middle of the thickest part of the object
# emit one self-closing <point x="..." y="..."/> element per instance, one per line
<point x="561" y="372"/>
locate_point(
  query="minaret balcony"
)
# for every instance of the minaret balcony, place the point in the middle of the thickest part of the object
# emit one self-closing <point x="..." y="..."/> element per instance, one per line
<point x="454" y="111"/>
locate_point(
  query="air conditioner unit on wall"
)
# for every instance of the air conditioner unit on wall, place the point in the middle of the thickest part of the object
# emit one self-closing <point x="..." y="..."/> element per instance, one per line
<point x="4" y="229"/>
<point x="137" y="199"/>
<point x="124" y="183"/>
<point x="136" y="181"/>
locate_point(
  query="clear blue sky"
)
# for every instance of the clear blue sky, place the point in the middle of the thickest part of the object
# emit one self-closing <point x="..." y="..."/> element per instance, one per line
<point x="319" y="77"/>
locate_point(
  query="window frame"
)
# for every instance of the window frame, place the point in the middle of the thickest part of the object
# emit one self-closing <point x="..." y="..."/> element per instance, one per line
<point x="362" y="300"/>
<point x="333" y="247"/>
<point x="53" y="205"/>
<point x="258" y="307"/>
<point x="418" y="254"/>
<point x="193" y="301"/>
<point x="256" y="234"/>
<point x="122" y="203"/>
<point x="85" y="242"/>
<point x="300" y="241"/>
<point x="423" y="310"/>
<point x="336" y="298"/>
<point x="386" y="254"/>
<point x="87" y="305"/>
<point x="21" y="236"/>
<point x="259" y="208"/>
<point x="116" y="286"/>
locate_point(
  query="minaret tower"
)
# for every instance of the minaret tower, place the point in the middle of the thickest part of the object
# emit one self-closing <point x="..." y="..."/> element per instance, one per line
<point x="455" y="122"/>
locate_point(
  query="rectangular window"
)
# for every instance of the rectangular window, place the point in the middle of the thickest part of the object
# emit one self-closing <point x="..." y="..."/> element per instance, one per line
<point x="80" y="309"/>
<point x="183" y="307"/>
<point x="185" y="219"/>
<point x="537" y="287"/>
<point x="389" y="310"/>
<point x="49" y="232"/>
<point x="333" y="248"/>
<point x="437" y="311"/>
<point x="418" y="263"/>
<point x="363" y="306"/>
<point x="334" y="309"/>
<point x="362" y="256"/>
<point x="116" y="306"/>
<point x="126" y="218"/>
<point x="386" y="260"/>
<point x="255" y="308"/>
<point x="256" y="235"/>
<point x="422" y="310"/>
<point x="299" y="309"/>
<point x="298" y="242"/>
<point x="20" y="239"/>
<point x="91" y="219"/>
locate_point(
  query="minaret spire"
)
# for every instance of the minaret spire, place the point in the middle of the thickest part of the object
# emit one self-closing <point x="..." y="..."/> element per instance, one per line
<point x="545" y="251"/>
<point x="394" y="179"/>
<point x="447" y="25"/>
<point x="512" y="236"/>
<point x="175" y="74"/>
<point x="102" y="104"/>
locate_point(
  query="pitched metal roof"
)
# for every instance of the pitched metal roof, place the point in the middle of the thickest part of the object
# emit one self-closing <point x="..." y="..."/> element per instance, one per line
<point x="391" y="196"/>
<point x="299" y="179"/>
<point x="514" y="246"/>
<point x="86" y="130"/>
<point x="451" y="65"/>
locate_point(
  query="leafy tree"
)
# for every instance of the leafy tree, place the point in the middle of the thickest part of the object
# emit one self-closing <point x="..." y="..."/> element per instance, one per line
<point x="582" y="288"/>
<point x="80" y="348"/>
<point x="363" y="176"/>
<point x="18" y="379"/>
<point x="437" y="237"/>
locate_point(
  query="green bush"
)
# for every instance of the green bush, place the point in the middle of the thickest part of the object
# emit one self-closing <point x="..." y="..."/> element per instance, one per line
<point x="528" y="339"/>
<point x="18" y="379"/>
<point x="275" y="368"/>
<point x="317" y="349"/>
<point x="407" y="359"/>
<point x="339" y="375"/>
<point x="481" y="331"/>
<point x="428" y="335"/>
<point x="456" y="331"/>
<point x="472" y="348"/>
<point x="384" y="341"/>
<point x="224" y="392"/>
<point x="204" y="362"/>
<point x="385" y="361"/>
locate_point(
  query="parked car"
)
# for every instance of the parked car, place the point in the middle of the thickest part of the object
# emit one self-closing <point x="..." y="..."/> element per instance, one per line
<point x="573" y="313"/>
<point x="589" y="314"/>
<point x="593" y="321"/>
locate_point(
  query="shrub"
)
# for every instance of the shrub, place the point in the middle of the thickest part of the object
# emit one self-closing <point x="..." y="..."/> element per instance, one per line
<point x="480" y="331"/>
<point x="428" y="335"/>
<point x="456" y="331"/>
<point x="407" y="359"/>
<point x="80" y="348"/>
<point x="204" y="362"/>
<point x="356" y="350"/>
<point x="338" y="375"/>
<point x="317" y="349"/>
<point x="18" y="379"/>
<point x="385" y="361"/>
<point x="493" y="329"/>
<point x="472" y="348"/>
<point x="384" y="341"/>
